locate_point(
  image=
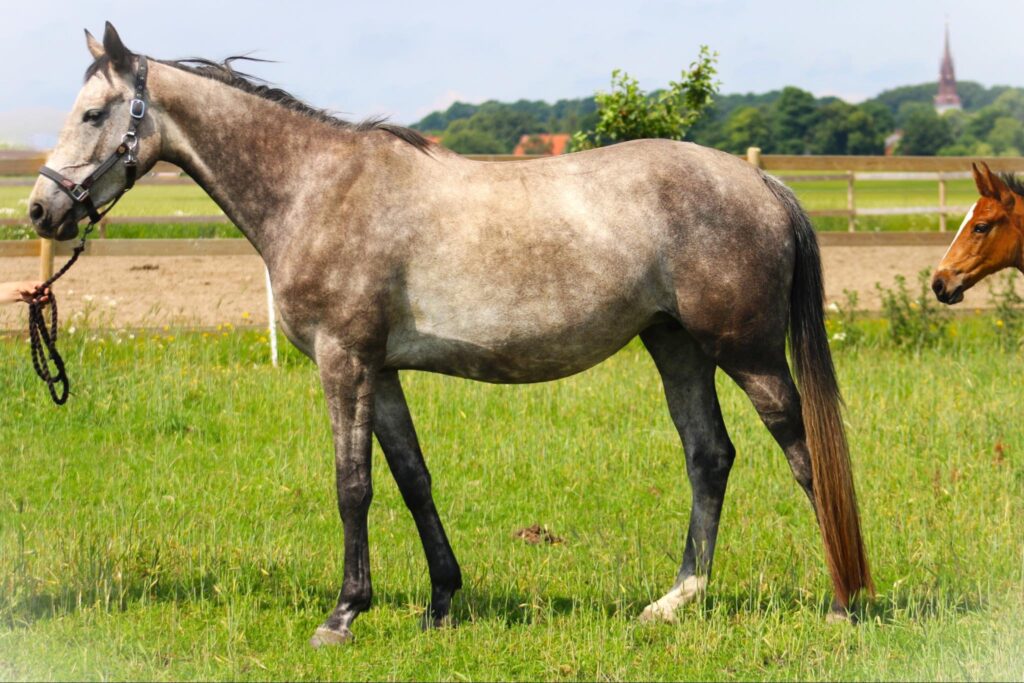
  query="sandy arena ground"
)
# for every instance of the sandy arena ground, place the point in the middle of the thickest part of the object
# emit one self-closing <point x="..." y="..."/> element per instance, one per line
<point x="208" y="291"/>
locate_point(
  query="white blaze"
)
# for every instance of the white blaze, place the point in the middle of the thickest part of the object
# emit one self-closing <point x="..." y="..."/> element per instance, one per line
<point x="967" y="219"/>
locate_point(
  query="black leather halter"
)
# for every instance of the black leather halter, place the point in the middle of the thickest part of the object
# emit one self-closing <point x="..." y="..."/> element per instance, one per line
<point x="79" y="192"/>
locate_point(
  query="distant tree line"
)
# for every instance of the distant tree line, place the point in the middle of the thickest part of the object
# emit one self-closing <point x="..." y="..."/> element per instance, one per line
<point x="787" y="121"/>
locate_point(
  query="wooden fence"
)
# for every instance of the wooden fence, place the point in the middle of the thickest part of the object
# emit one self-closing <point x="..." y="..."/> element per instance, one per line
<point x="19" y="169"/>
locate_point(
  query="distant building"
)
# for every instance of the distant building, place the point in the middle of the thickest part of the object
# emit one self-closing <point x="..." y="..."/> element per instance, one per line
<point x="542" y="143"/>
<point x="892" y="141"/>
<point x="947" y="98"/>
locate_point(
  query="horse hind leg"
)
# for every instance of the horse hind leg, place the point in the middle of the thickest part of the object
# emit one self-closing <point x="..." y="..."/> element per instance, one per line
<point x="394" y="428"/>
<point x="688" y="376"/>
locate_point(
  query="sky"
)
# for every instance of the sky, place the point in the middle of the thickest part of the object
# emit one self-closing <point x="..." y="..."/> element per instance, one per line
<point x="404" y="60"/>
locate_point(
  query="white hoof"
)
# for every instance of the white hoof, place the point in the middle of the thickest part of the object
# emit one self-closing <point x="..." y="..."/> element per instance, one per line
<point x="325" y="637"/>
<point x="664" y="608"/>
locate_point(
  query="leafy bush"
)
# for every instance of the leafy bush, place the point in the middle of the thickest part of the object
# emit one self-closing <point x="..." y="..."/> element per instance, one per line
<point x="1009" y="311"/>
<point x="629" y="113"/>
<point x="913" y="321"/>
<point x="843" y="326"/>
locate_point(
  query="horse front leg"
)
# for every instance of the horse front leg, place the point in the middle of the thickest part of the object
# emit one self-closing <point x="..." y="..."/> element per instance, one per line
<point x="347" y="379"/>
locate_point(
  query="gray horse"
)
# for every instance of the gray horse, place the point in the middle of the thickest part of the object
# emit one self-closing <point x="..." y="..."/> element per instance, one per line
<point x="387" y="253"/>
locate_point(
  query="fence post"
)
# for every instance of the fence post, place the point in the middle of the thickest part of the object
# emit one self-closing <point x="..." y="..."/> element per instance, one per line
<point x="942" y="203"/>
<point x="754" y="156"/>
<point x="45" y="259"/>
<point x="851" y="224"/>
<point x="271" y="319"/>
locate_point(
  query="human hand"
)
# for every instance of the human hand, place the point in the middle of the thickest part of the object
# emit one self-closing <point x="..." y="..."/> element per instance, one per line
<point x="13" y="292"/>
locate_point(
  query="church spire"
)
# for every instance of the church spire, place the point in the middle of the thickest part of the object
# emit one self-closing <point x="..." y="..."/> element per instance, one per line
<point x="947" y="97"/>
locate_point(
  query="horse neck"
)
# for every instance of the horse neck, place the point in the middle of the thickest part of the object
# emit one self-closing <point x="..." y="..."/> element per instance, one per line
<point x="254" y="157"/>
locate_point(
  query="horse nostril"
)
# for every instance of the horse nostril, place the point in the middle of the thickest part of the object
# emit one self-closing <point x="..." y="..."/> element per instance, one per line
<point x="937" y="287"/>
<point x="36" y="212"/>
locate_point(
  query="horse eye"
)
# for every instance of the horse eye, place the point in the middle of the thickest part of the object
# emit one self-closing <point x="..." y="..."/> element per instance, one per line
<point x="93" y="116"/>
<point x="982" y="228"/>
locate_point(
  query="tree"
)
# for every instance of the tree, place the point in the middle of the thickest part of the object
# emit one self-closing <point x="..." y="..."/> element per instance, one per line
<point x="793" y="115"/>
<point x="463" y="138"/>
<point x="924" y="131"/>
<point x="746" y="127"/>
<point x="1007" y="136"/>
<point x="832" y="131"/>
<point x="865" y="133"/>
<point x="629" y="113"/>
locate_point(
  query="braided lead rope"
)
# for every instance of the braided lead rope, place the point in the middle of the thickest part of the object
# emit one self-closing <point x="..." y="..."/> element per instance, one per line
<point x="43" y="334"/>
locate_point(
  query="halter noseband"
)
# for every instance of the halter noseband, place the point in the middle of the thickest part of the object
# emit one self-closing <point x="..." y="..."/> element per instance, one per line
<point x="79" y="192"/>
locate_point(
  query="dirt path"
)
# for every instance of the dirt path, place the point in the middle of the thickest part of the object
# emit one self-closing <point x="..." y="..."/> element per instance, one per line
<point x="207" y="291"/>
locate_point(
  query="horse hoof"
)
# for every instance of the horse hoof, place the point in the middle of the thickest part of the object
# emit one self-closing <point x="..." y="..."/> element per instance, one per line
<point x="664" y="608"/>
<point x="431" y="623"/>
<point x="325" y="637"/>
<point x="655" y="613"/>
<point x="838" y="617"/>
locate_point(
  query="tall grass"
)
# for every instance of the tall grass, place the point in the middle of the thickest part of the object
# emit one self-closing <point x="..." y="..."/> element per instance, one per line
<point x="176" y="520"/>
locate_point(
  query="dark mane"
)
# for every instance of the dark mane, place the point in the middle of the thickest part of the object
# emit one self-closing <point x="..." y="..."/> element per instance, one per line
<point x="1015" y="183"/>
<point x="222" y="72"/>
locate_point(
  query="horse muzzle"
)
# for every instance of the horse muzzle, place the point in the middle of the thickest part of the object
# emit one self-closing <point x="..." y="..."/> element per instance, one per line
<point x="948" y="287"/>
<point x="46" y="225"/>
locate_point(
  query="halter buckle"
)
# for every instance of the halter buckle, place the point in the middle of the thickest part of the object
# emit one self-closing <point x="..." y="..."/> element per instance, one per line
<point x="78" y="193"/>
<point x="137" y="108"/>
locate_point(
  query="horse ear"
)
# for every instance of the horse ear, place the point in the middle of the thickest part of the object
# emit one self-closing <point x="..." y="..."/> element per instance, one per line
<point x="120" y="56"/>
<point x="981" y="180"/>
<point x="1001" y="191"/>
<point x="95" y="46"/>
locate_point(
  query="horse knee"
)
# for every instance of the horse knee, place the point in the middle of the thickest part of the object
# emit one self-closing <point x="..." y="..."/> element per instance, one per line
<point x="710" y="465"/>
<point x="354" y="498"/>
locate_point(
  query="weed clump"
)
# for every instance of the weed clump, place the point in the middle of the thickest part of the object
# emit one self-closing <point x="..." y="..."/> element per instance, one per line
<point x="1009" y="310"/>
<point x="914" y="321"/>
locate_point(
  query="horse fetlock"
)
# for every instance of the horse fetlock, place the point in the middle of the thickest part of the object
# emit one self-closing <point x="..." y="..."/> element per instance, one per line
<point x="664" y="608"/>
<point x="432" y="621"/>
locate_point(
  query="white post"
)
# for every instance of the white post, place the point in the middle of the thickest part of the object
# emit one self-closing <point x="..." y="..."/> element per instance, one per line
<point x="271" y="320"/>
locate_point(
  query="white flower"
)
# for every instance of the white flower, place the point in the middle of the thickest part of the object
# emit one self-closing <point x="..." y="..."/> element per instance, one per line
<point x="839" y="336"/>
<point x="71" y="330"/>
<point x="834" y="307"/>
<point x="88" y="297"/>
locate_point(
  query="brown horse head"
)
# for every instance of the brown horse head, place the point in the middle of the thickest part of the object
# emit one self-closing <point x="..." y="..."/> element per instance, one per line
<point x="990" y="238"/>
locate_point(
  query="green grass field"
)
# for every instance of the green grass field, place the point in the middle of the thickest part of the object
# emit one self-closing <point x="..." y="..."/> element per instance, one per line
<point x="168" y="200"/>
<point x="176" y="520"/>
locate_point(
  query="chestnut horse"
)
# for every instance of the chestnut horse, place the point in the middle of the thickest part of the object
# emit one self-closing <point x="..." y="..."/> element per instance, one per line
<point x="990" y="238"/>
<point x="386" y="252"/>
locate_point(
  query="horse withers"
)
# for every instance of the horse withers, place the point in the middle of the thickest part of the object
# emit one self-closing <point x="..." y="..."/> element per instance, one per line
<point x="990" y="238"/>
<point x="386" y="252"/>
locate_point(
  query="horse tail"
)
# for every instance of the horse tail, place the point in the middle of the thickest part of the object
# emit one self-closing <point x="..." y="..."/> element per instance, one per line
<point x="821" y="405"/>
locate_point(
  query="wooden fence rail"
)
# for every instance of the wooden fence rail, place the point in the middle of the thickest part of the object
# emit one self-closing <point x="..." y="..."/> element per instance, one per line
<point x="18" y="168"/>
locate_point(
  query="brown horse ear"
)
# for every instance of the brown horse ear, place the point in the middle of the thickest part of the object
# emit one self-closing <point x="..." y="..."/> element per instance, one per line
<point x="95" y="46"/>
<point x="1001" y="190"/>
<point x="981" y="180"/>
<point x="120" y="56"/>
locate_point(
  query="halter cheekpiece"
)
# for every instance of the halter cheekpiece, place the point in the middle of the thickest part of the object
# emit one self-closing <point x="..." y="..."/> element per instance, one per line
<point x="79" y="192"/>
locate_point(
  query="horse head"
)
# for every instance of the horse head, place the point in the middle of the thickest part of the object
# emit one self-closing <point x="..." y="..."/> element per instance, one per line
<point x="107" y="141"/>
<point x="990" y="238"/>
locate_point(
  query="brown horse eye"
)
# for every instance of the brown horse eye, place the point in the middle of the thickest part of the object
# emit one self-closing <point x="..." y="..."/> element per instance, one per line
<point x="92" y="116"/>
<point x="982" y="228"/>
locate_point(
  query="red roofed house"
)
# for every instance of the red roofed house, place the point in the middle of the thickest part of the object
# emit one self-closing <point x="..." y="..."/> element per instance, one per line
<point x="542" y="143"/>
